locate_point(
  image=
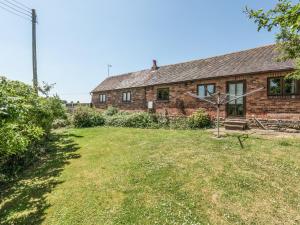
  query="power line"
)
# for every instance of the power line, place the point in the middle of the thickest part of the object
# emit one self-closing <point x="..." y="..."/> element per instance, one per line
<point x="15" y="5"/>
<point x="19" y="11"/>
<point x="26" y="18"/>
<point x="21" y="4"/>
<point x="24" y="12"/>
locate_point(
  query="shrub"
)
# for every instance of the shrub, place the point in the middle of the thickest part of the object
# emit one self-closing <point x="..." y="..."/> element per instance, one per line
<point x="162" y="121"/>
<point x="199" y="119"/>
<point x="179" y="123"/>
<point x="110" y="111"/>
<point x="117" y="120"/>
<point x="137" y="120"/>
<point x="87" y="117"/>
<point x="26" y="120"/>
<point x="60" y="123"/>
<point x="97" y="119"/>
<point x="48" y="110"/>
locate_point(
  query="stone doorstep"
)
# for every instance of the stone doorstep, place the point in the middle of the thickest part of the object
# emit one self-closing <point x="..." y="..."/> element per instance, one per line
<point x="234" y="127"/>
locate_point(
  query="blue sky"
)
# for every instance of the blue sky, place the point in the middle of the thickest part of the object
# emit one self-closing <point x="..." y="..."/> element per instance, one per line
<point x="77" y="39"/>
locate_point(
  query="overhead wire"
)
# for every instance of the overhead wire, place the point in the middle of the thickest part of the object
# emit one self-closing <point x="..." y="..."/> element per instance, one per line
<point x="13" y="8"/>
<point x="17" y="6"/>
<point x="21" y="4"/>
<point x="12" y="12"/>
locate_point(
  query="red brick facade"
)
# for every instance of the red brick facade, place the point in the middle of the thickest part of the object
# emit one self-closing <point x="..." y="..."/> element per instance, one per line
<point x="259" y="104"/>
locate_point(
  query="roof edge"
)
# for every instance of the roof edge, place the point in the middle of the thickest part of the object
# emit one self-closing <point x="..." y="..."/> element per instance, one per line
<point x="209" y="78"/>
<point x="193" y="60"/>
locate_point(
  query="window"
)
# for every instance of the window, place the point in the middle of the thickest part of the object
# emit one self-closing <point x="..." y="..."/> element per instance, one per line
<point x="275" y="86"/>
<point x="279" y="86"/>
<point x="102" y="98"/>
<point x="126" y="97"/>
<point x="291" y="87"/>
<point x="163" y="94"/>
<point x="204" y="90"/>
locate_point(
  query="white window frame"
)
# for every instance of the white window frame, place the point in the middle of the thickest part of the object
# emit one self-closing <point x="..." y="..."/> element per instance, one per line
<point x="102" y="98"/>
<point x="126" y="96"/>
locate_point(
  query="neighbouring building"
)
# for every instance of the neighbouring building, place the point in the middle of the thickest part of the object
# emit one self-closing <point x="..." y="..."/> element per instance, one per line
<point x="163" y="89"/>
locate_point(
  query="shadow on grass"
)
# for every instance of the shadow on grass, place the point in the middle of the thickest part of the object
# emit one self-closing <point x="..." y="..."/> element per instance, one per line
<point x="24" y="200"/>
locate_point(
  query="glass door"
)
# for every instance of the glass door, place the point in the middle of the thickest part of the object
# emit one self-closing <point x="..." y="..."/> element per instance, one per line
<point x="236" y="108"/>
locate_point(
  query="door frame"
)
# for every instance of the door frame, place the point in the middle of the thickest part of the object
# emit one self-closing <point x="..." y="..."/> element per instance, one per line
<point x="244" y="98"/>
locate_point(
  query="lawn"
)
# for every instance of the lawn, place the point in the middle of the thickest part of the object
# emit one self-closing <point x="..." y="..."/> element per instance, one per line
<point x="134" y="176"/>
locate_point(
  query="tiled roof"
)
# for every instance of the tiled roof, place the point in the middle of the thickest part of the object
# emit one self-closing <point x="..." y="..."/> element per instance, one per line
<point x="262" y="59"/>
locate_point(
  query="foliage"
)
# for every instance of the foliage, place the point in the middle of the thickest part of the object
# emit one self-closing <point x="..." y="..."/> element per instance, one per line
<point x="296" y="74"/>
<point x="199" y="119"/>
<point x="87" y="117"/>
<point x="161" y="120"/>
<point x="110" y="111"/>
<point x="137" y="120"/>
<point x="179" y="123"/>
<point x="25" y="119"/>
<point x="286" y="17"/>
<point x="46" y="88"/>
<point x="60" y="123"/>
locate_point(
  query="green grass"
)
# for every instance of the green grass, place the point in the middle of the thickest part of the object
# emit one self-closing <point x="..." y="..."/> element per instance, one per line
<point x="135" y="176"/>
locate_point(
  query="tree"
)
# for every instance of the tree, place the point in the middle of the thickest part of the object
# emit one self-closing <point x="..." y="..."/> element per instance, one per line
<point x="284" y="17"/>
<point x="26" y="120"/>
<point x="45" y="88"/>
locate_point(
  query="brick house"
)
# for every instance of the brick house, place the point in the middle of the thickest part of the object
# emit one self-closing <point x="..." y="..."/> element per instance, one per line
<point x="164" y="89"/>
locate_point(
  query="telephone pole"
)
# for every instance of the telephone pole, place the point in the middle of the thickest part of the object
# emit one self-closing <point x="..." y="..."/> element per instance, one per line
<point x="34" y="56"/>
<point x="21" y="10"/>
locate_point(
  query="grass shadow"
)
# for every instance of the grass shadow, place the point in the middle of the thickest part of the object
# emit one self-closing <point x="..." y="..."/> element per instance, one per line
<point x="23" y="201"/>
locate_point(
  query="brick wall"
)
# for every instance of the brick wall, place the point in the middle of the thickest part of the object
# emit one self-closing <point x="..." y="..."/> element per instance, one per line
<point x="114" y="98"/>
<point x="259" y="104"/>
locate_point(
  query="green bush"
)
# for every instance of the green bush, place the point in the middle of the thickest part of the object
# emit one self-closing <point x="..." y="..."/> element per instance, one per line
<point x="179" y="123"/>
<point x="161" y="121"/>
<point x="60" y="123"/>
<point x="87" y="117"/>
<point x="137" y="120"/>
<point x="199" y="119"/>
<point x="110" y="111"/>
<point x="117" y="120"/>
<point x="98" y="119"/>
<point x="26" y="120"/>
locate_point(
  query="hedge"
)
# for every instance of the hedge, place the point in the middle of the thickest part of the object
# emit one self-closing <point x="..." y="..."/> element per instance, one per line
<point x="25" y="122"/>
<point x="89" y="117"/>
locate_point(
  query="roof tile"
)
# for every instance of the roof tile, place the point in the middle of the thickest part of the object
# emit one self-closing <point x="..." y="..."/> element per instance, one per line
<point x="250" y="61"/>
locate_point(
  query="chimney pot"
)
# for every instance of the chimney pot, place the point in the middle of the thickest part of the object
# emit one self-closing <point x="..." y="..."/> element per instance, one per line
<point x="154" y="66"/>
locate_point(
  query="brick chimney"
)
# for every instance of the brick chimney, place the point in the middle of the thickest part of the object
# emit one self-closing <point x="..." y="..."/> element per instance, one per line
<point x="154" y="66"/>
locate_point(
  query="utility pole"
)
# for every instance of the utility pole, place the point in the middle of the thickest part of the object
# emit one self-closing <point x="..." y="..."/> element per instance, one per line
<point x="21" y="10"/>
<point x="34" y="56"/>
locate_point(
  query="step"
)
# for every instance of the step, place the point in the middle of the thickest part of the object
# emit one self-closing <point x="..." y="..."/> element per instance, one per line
<point x="236" y="124"/>
<point x="233" y="122"/>
<point x="235" y="127"/>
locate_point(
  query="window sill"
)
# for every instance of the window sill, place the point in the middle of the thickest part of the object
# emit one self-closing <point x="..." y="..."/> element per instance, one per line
<point x="297" y="96"/>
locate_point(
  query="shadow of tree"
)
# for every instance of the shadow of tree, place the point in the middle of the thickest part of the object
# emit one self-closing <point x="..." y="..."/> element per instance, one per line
<point x="24" y="200"/>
